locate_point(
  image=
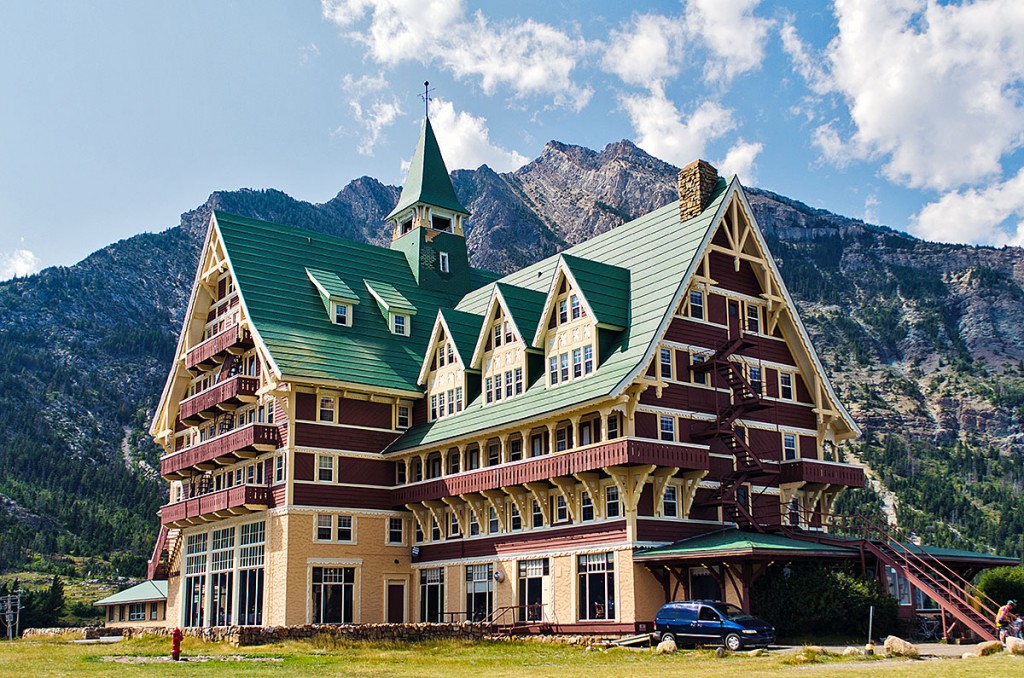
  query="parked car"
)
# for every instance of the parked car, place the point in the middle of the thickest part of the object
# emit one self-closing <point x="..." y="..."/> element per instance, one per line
<point x="711" y="622"/>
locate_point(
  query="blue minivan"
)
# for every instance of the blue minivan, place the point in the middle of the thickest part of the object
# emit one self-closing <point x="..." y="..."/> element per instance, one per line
<point x="711" y="622"/>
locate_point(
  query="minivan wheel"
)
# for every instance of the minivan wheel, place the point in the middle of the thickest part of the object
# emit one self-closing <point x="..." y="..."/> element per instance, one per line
<point x="733" y="642"/>
<point x="668" y="636"/>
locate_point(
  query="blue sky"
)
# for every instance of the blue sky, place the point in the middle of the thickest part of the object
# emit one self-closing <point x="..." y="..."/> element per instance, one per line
<point x="115" y="117"/>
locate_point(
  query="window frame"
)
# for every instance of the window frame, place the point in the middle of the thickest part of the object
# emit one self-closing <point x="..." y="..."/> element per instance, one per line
<point x="443" y="262"/>
<point x="702" y="305"/>
<point x="400" y="417"/>
<point x="321" y="467"/>
<point x="333" y="409"/>
<point x="670" y="430"/>
<point x="666" y="362"/>
<point x="786" y="449"/>
<point x="400" y="319"/>
<point x="346" y="309"/>
<point x="791" y="387"/>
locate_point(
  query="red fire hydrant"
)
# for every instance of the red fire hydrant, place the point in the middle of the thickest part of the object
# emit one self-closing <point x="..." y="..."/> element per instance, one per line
<point x="176" y="644"/>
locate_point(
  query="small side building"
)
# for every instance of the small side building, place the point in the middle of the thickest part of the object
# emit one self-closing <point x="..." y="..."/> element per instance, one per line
<point x="142" y="605"/>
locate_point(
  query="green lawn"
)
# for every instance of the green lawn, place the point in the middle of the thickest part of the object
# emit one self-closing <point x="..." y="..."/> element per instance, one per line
<point x="453" y="659"/>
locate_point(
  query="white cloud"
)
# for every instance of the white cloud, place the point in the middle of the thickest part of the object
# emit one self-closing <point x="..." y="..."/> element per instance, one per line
<point x="308" y="53"/>
<point x="374" y="117"/>
<point x="734" y="36"/>
<point x="807" y="64"/>
<point x="530" y="57"/>
<point x="466" y="140"/>
<point x="18" y="263"/>
<point x="934" y="90"/>
<point x="975" y="215"/>
<point x="740" y="160"/>
<point x="871" y="204"/>
<point x="649" y="48"/>
<point x="664" y="131"/>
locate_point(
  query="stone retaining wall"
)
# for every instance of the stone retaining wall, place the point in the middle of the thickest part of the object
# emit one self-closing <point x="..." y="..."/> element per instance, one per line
<point x="239" y="636"/>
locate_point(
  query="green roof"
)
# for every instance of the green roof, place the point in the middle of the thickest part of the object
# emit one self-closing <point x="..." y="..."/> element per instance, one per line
<point x="524" y="305"/>
<point x="330" y="284"/>
<point x="738" y="542"/>
<point x="428" y="181"/>
<point x="464" y="328"/>
<point x="148" y="590"/>
<point x="656" y="271"/>
<point x="270" y="261"/>
<point x="605" y="287"/>
<point x="389" y="297"/>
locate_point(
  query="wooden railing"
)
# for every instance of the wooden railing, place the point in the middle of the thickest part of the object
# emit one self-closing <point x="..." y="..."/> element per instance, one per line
<point x="252" y="437"/>
<point x="215" y="345"/>
<point x="820" y="472"/>
<point x="240" y="499"/>
<point x="536" y="469"/>
<point x="226" y="391"/>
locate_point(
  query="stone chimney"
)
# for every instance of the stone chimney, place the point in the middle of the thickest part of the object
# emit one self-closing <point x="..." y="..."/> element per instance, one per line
<point x="696" y="182"/>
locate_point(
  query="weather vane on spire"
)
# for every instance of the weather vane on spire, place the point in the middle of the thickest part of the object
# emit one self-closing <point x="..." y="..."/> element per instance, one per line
<point x="426" y="98"/>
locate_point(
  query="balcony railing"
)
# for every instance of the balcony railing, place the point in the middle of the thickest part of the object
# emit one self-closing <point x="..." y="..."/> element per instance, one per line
<point x="621" y="452"/>
<point x="236" y="444"/>
<point x="216" y="505"/>
<point x="207" y="352"/>
<point x="233" y="391"/>
<point x="821" y="472"/>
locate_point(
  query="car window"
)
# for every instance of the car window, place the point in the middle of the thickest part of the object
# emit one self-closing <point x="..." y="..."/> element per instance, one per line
<point x="732" y="612"/>
<point x="669" y="613"/>
<point x="708" y="614"/>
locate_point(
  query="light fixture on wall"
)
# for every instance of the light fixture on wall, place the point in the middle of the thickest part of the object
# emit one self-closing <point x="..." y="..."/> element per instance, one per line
<point x="499" y="576"/>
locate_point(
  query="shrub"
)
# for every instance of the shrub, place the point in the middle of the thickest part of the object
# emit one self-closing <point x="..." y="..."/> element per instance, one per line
<point x="1003" y="583"/>
<point x="818" y="600"/>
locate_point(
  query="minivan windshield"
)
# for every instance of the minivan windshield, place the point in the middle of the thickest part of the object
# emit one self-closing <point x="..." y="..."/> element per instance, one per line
<point x="732" y="612"/>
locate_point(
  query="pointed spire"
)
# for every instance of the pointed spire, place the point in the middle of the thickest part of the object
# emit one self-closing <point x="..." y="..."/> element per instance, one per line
<point x="428" y="181"/>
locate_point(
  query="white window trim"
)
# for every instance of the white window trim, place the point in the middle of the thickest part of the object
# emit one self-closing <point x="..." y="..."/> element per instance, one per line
<point x="443" y="262"/>
<point x="407" y="323"/>
<point x="335" y="305"/>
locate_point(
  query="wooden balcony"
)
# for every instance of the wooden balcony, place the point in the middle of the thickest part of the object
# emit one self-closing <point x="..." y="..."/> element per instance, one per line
<point x="622" y="452"/>
<point x="239" y="443"/>
<point x="210" y="353"/>
<point x="233" y="501"/>
<point x="815" y="472"/>
<point x="224" y="397"/>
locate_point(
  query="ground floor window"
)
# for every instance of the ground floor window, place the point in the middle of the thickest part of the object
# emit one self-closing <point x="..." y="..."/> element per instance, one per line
<point x="333" y="595"/>
<point x="597" y="586"/>
<point x="195" y="600"/>
<point x="478" y="591"/>
<point x="531" y="589"/>
<point x="432" y="595"/>
<point x="137" y="612"/>
<point x="250" y="574"/>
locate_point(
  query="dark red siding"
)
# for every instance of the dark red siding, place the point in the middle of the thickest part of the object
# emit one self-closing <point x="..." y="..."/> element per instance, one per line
<point x="579" y="535"/>
<point x="365" y="413"/>
<point x="366" y="471"/>
<point x="305" y="406"/>
<point x="316" y="494"/>
<point x="341" y="437"/>
<point x="305" y="465"/>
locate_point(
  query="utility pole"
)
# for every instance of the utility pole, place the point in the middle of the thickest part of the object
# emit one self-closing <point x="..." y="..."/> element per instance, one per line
<point x="10" y="612"/>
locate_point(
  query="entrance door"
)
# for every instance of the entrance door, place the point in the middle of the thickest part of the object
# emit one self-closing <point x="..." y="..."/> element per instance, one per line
<point x="533" y="575"/>
<point x="396" y="602"/>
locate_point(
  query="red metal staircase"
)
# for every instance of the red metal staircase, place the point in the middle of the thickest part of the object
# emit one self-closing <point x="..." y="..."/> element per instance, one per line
<point x="153" y="567"/>
<point x="748" y="466"/>
<point x="953" y="593"/>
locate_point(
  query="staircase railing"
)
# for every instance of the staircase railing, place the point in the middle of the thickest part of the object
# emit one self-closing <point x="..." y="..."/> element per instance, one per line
<point x="153" y="566"/>
<point x="953" y="593"/>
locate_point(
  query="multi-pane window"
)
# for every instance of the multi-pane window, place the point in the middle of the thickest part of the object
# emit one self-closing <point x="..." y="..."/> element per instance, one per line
<point x="432" y="595"/>
<point x="222" y="544"/>
<point x="613" y="425"/>
<point x="586" y="507"/>
<point x="561" y="439"/>
<point x="493" y="455"/>
<point x="433" y="407"/>
<point x="753" y="318"/>
<point x="324" y="527"/>
<point x="536" y="446"/>
<point x="508" y="385"/>
<point x="561" y="509"/>
<point x="509" y="337"/>
<point x="451" y="401"/>
<point x="478" y="591"/>
<point x="563" y="362"/>
<point x="327" y="409"/>
<point x="250" y="574"/>
<point x="435" y="530"/>
<point x="666" y="363"/>
<point x="553" y="370"/>
<point x="280" y="462"/>
<point x="451" y="353"/>
<point x="489" y="389"/>
<point x="588" y="359"/>
<point x="667" y="428"/>
<point x="458" y="398"/>
<point x="396" y="531"/>
<point x="516" y="520"/>
<point x="440" y="355"/>
<point x="756" y="382"/>
<point x="788" y="446"/>
<point x="453" y="525"/>
<point x="474" y="524"/>
<point x="577" y="363"/>
<point x="563" y="311"/>
<point x="574" y="304"/>
<point x="518" y="380"/>
<point x="596" y="586"/>
<point x="492" y="521"/>
<point x="611" y="501"/>
<point x="497" y="334"/>
<point x="400" y="472"/>
<point x="137" y="612"/>
<point x="341" y="313"/>
<point x="697" y="304"/>
<point x="325" y="469"/>
<point x="195" y="579"/>
<point x="333" y="595"/>
<point x="403" y="416"/>
<point x="701" y="376"/>
<point x="515" y="449"/>
<point x="344" y="531"/>
<point x="785" y="385"/>
<point x="400" y="324"/>
<point x="670" y="503"/>
<point x="538" y="515"/>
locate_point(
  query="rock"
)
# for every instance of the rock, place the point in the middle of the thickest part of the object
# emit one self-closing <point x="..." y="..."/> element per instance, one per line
<point x="667" y="646"/>
<point x="852" y="651"/>
<point x="900" y="648"/>
<point x="720" y="652"/>
<point x="988" y="648"/>
<point x="814" y="649"/>
<point x="968" y="655"/>
<point x="1014" y="645"/>
<point x="757" y="652"/>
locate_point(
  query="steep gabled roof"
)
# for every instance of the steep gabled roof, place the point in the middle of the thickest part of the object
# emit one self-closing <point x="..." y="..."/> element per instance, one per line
<point x="461" y="329"/>
<point x="657" y="273"/>
<point x="605" y="287"/>
<point x="524" y="305"/>
<point x="331" y="287"/>
<point x="389" y="297"/>
<point x="428" y="179"/>
<point x="269" y="263"/>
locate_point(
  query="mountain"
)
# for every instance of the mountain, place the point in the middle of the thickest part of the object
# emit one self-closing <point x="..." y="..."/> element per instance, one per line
<point x="924" y="341"/>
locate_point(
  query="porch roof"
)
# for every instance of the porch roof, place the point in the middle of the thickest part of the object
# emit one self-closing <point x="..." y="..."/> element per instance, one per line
<point x="147" y="591"/>
<point x="734" y="542"/>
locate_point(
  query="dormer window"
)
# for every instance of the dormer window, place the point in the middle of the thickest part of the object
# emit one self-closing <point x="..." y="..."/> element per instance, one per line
<point x="406" y="226"/>
<point x="400" y="324"/>
<point x="342" y="313"/>
<point x="574" y="304"/>
<point x="441" y="223"/>
<point x="442" y="260"/>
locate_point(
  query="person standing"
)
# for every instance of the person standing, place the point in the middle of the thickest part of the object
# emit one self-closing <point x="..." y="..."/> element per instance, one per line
<point x="1004" y="617"/>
